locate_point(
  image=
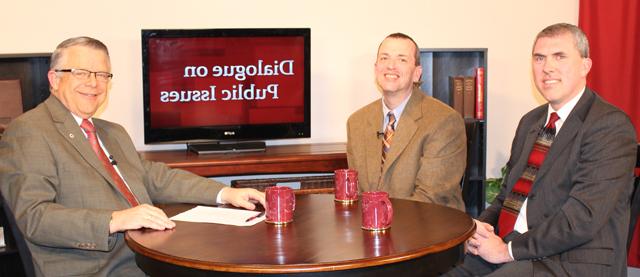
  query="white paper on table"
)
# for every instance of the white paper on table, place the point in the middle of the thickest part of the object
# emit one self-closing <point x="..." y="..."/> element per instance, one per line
<point x="225" y="216"/>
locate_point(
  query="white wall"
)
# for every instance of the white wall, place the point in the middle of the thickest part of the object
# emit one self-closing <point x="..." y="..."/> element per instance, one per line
<point x="345" y="36"/>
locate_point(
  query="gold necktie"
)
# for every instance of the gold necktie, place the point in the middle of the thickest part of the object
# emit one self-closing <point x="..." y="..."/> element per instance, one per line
<point x="388" y="137"/>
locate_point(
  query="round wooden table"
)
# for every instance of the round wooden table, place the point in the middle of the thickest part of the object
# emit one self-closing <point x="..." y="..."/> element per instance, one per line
<point x="325" y="239"/>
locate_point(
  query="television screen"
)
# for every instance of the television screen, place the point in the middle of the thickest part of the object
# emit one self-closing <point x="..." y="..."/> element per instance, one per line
<point x="226" y="84"/>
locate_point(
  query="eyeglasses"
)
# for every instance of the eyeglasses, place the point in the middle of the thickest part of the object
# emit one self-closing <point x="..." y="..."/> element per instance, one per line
<point x="83" y="74"/>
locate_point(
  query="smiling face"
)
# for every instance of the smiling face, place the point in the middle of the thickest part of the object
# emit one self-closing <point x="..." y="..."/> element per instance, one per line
<point x="81" y="97"/>
<point x="395" y="66"/>
<point x="559" y="71"/>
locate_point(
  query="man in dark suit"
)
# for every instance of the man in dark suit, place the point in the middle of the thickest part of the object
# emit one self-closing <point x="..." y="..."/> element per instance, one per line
<point x="423" y="144"/>
<point x="564" y="206"/>
<point x="75" y="183"/>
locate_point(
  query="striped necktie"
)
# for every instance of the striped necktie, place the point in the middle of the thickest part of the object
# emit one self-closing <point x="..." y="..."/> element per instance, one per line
<point x="514" y="200"/>
<point x="389" y="130"/>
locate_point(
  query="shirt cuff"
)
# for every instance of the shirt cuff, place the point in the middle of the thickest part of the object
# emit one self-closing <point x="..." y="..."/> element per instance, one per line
<point x="219" y="197"/>
<point x="510" y="253"/>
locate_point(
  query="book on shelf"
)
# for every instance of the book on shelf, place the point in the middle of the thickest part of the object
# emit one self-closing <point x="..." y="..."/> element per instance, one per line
<point x="479" y="93"/>
<point x="469" y="96"/>
<point x="456" y="90"/>
<point x="466" y="94"/>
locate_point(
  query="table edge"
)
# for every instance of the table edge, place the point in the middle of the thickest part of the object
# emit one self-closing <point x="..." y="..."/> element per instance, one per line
<point x="296" y="268"/>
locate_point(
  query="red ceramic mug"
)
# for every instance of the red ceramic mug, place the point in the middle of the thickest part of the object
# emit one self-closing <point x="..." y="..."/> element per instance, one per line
<point x="346" y="185"/>
<point x="280" y="204"/>
<point x="377" y="212"/>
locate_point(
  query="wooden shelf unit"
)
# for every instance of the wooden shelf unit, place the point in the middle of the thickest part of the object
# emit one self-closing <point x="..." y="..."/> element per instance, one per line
<point x="438" y="64"/>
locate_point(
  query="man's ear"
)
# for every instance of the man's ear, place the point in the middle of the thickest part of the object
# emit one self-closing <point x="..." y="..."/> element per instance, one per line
<point x="417" y="74"/>
<point x="586" y="66"/>
<point x="53" y="80"/>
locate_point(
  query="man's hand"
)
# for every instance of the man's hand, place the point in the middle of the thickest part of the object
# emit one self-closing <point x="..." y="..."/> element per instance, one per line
<point x="245" y="197"/>
<point x="486" y="244"/>
<point x="483" y="227"/>
<point x="480" y="227"/>
<point x="144" y="215"/>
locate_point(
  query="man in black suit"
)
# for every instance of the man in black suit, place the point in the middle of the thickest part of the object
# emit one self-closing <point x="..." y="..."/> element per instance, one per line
<point x="564" y="205"/>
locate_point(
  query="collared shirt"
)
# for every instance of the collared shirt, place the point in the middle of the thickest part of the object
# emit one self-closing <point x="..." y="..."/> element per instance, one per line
<point x="521" y="221"/>
<point x="397" y="112"/>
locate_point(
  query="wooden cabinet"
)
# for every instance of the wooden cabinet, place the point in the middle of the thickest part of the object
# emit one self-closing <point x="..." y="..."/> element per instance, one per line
<point x="277" y="159"/>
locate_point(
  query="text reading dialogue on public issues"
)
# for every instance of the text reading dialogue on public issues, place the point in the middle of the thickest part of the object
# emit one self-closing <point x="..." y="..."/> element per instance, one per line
<point x="225" y="80"/>
<point x="237" y="91"/>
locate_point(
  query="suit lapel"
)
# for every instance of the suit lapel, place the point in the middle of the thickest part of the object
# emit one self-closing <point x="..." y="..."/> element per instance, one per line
<point x="111" y="143"/>
<point x="373" y="144"/>
<point x="405" y="130"/>
<point x="69" y="129"/>
<point x="569" y="129"/>
<point x="529" y="140"/>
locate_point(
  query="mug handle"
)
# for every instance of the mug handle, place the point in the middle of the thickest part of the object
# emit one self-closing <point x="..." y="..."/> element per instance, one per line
<point x="389" y="213"/>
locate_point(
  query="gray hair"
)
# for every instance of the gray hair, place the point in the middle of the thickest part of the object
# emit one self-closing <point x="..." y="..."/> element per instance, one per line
<point x="57" y="55"/>
<point x="580" y="39"/>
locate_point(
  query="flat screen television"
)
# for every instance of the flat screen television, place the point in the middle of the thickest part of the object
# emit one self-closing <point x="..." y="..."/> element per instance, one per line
<point x="222" y="90"/>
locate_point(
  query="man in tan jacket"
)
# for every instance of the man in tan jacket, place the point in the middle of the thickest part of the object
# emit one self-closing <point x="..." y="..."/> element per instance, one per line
<point x="69" y="201"/>
<point x="422" y="140"/>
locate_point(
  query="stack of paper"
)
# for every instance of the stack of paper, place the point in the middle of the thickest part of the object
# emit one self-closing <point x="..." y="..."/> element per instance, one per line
<point x="219" y="215"/>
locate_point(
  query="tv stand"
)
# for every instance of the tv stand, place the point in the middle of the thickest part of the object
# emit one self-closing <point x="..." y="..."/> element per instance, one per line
<point x="227" y="147"/>
<point x="278" y="159"/>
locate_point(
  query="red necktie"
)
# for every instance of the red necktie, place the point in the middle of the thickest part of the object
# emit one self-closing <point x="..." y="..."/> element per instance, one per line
<point x="88" y="127"/>
<point x="514" y="200"/>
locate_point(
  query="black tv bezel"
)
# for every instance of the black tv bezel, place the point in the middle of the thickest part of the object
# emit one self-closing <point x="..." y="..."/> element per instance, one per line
<point x="227" y="132"/>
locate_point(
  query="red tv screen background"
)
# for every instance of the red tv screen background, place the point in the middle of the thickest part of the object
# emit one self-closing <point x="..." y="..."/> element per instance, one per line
<point x="174" y="101"/>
